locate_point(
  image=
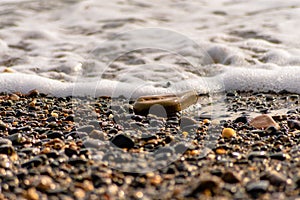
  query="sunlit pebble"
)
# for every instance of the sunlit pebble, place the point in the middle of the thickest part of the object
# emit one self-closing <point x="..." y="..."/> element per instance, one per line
<point x="228" y="133"/>
<point x="121" y="194"/>
<point x="193" y="152"/>
<point x="150" y="174"/>
<point x="88" y="186"/>
<point x="14" y="97"/>
<point x="221" y="151"/>
<point x="79" y="193"/>
<point x="139" y="195"/>
<point x="206" y="121"/>
<point x="54" y="114"/>
<point x="31" y="194"/>
<point x="2" y="172"/>
<point x="113" y="189"/>
<point x="156" y="180"/>
<point x="111" y="116"/>
<point x="211" y="156"/>
<point x="185" y="134"/>
<point x="32" y="103"/>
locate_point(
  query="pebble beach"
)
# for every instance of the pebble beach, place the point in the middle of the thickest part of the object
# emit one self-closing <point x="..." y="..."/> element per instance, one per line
<point x="128" y="99"/>
<point x="50" y="151"/>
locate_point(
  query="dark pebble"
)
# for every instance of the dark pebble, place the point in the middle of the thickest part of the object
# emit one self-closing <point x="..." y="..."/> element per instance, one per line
<point x="147" y="137"/>
<point x="271" y="130"/>
<point x="270" y="98"/>
<point x="293" y="124"/>
<point x="216" y="172"/>
<point x="230" y="177"/>
<point x="291" y="112"/>
<point x="77" y="161"/>
<point x="33" y="93"/>
<point x="35" y="162"/>
<point x="211" y="184"/>
<point x="257" y="154"/>
<point x="51" y="119"/>
<point x="52" y="154"/>
<point x="257" y="188"/>
<point x="2" y="126"/>
<point x="15" y="138"/>
<point x="122" y="141"/>
<point x="242" y="119"/>
<point x="54" y="134"/>
<point x="97" y="180"/>
<point x="70" y="118"/>
<point x="70" y="152"/>
<point x="279" y="156"/>
<point x="7" y="149"/>
<point x="113" y="131"/>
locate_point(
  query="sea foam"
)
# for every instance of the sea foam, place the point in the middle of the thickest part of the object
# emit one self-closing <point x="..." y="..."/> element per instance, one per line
<point x="240" y="78"/>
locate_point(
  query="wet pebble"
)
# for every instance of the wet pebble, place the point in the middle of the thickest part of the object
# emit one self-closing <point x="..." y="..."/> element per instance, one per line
<point x="275" y="178"/>
<point x="257" y="154"/>
<point x="15" y="138"/>
<point x="230" y="177"/>
<point x="228" y="133"/>
<point x="70" y="152"/>
<point x="257" y="188"/>
<point x="55" y="134"/>
<point x="242" y="119"/>
<point x="209" y="184"/>
<point x="279" y="156"/>
<point x="7" y="149"/>
<point x="293" y="124"/>
<point x="122" y="141"/>
<point x="3" y="126"/>
<point x="187" y="123"/>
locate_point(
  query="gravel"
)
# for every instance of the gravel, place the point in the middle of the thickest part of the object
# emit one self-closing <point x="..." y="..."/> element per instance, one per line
<point x="83" y="148"/>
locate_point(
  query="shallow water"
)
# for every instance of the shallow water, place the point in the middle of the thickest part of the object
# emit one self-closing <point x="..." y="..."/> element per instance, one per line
<point x="134" y="47"/>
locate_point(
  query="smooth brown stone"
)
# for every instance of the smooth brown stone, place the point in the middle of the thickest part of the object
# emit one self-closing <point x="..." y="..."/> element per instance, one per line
<point x="263" y="121"/>
<point x="14" y="97"/>
<point x="171" y="103"/>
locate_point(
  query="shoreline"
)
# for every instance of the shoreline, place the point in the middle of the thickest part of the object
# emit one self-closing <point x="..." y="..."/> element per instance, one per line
<point x="68" y="148"/>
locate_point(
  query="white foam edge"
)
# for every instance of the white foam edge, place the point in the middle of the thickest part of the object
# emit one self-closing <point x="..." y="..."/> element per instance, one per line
<point x="237" y="78"/>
